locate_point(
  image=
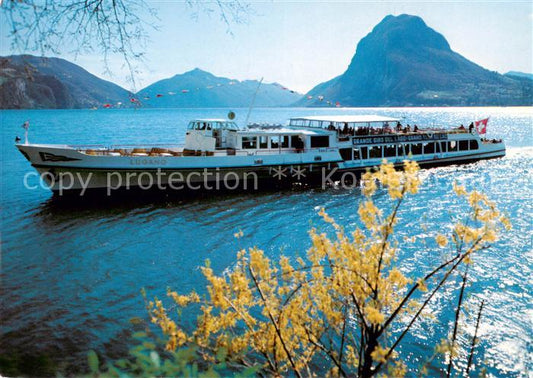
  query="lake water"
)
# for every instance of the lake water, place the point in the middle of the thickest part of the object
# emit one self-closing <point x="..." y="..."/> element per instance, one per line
<point x="71" y="274"/>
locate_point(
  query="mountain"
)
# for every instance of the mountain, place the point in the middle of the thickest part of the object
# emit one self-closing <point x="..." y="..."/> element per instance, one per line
<point x="403" y="62"/>
<point x="516" y="74"/>
<point x="28" y="82"/>
<point x="199" y="88"/>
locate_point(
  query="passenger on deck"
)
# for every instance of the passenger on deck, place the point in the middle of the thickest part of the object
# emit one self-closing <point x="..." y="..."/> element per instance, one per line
<point x="398" y="127"/>
<point x="416" y="129"/>
<point x="471" y="127"/>
<point x="298" y="144"/>
<point x="408" y="129"/>
<point x="461" y="127"/>
<point x="331" y="126"/>
<point x="345" y="128"/>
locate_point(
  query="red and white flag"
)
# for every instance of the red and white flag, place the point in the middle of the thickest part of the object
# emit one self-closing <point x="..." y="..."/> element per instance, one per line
<point x="481" y="126"/>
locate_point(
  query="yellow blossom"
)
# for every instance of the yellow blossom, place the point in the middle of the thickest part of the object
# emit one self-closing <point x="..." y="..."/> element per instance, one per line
<point x="379" y="353"/>
<point x="422" y="285"/>
<point x="505" y="222"/>
<point x="374" y="316"/>
<point x="459" y="189"/>
<point x="441" y="240"/>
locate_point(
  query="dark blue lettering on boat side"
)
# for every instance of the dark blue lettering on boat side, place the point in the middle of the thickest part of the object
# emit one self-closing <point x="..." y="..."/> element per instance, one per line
<point x="398" y="138"/>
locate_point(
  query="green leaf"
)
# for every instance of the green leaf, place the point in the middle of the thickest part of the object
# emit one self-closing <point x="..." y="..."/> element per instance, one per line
<point x="139" y="335"/>
<point x="93" y="361"/>
<point x="148" y="345"/>
<point x="155" y="358"/>
<point x="136" y="320"/>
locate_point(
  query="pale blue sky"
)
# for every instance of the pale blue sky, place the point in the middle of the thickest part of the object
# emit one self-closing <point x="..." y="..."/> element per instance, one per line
<point x="303" y="43"/>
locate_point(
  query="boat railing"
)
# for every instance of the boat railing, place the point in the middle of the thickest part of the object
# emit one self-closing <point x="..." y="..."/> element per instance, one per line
<point x="118" y="146"/>
<point x="163" y="150"/>
<point x="146" y="145"/>
<point x="85" y="146"/>
<point x="279" y="151"/>
<point x="379" y="132"/>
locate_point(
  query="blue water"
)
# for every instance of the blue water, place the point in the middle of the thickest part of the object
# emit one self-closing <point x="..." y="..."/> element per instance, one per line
<point x="71" y="274"/>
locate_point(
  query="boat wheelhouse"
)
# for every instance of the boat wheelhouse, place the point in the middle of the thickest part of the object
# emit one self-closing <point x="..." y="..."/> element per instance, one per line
<point x="217" y="151"/>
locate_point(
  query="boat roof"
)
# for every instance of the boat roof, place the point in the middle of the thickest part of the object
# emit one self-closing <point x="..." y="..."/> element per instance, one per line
<point x="212" y="120"/>
<point x="348" y="118"/>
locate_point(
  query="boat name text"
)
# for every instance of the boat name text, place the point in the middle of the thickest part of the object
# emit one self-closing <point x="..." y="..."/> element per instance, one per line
<point x="148" y="162"/>
<point x="399" y="138"/>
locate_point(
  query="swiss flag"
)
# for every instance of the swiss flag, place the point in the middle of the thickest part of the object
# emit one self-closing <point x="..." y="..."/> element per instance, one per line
<point x="481" y="126"/>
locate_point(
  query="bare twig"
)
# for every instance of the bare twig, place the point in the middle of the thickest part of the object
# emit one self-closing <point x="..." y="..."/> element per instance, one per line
<point x="456" y="322"/>
<point x="474" y="339"/>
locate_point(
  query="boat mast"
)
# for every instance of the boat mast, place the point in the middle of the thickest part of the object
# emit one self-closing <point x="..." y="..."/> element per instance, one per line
<point x="252" y="103"/>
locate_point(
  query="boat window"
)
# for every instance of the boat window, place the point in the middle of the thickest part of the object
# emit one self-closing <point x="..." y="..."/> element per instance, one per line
<point x="375" y="152"/>
<point x="263" y="141"/>
<point x="364" y="152"/>
<point x="227" y="125"/>
<point x="452" y="146"/>
<point x="297" y="122"/>
<point x="429" y="148"/>
<point x="390" y="150"/>
<point x="284" y="141"/>
<point x="249" y="142"/>
<point x="356" y="154"/>
<point x="319" y="141"/>
<point x="443" y="146"/>
<point x="346" y="153"/>
<point x="416" y="149"/>
<point x="297" y="142"/>
<point x="463" y="145"/>
<point x="474" y="145"/>
<point x="437" y="148"/>
<point x="274" y="141"/>
<point x="190" y="126"/>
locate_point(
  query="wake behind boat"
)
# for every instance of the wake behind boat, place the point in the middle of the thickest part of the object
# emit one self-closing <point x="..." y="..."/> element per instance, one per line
<point x="219" y="155"/>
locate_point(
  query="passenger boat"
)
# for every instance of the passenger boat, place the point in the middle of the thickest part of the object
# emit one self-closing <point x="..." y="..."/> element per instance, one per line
<point x="219" y="155"/>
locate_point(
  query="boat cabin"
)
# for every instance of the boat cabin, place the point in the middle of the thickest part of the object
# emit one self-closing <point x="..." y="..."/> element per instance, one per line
<point x="377" y="137"/>
<point x="210" y="134"/>
<point x="286" y="139"/>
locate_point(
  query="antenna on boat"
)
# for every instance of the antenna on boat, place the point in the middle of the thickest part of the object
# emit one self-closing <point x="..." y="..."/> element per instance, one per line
<point x="252" y="103"/>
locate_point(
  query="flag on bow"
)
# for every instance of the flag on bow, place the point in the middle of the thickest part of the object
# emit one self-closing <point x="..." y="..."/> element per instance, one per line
<point x="481" y="126"/>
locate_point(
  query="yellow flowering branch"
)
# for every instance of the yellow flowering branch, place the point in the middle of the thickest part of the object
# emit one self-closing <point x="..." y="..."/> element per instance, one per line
<point x="290" y="315"/>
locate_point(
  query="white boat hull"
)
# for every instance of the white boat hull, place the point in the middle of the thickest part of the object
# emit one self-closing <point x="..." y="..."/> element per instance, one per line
<point x="65" y="169"/>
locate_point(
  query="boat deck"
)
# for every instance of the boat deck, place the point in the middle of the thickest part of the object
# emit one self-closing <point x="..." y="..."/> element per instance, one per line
<point x="180" y="151"/>
<point x="172" y="150"/>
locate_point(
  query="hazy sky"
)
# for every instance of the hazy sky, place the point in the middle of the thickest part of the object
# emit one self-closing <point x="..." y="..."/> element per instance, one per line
<point x="303" y="43"/>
